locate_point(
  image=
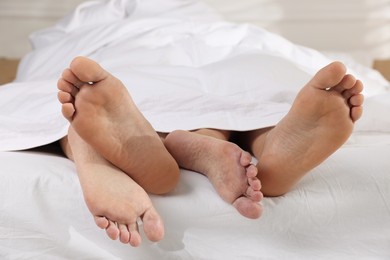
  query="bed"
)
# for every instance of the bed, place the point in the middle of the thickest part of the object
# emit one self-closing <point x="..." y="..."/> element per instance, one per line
<point x="340" y="210"/>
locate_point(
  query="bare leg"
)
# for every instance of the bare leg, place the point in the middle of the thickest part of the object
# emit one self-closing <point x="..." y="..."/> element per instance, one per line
<point x="113" y="198"/>
<point x="319" y="122"/>
<point x="226" y="165"/>
<point x="103" y="113"/>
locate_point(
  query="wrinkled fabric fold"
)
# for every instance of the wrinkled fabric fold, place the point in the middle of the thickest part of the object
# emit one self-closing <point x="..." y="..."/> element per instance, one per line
<point x="184" y="66"/>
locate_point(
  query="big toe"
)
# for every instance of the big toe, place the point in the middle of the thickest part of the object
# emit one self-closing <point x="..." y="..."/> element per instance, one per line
<point x="248" y="208"/>
<point x="329" y="76"/>
<point x="153" y="225"/>
<point x="94" y="73"/>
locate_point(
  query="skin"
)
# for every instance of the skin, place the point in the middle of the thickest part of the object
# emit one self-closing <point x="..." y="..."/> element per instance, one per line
<point x="106" y="106"/>
<point x="108" y="134"/>
<point x="226" y="165"/>
<point x="114" y="199"/>
<point x="320" y="120"/>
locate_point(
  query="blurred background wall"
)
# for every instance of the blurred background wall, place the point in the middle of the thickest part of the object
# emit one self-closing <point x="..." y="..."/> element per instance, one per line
<point x="358" y="27"/>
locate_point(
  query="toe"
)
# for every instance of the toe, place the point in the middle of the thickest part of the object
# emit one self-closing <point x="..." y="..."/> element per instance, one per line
<point x="356" y="113"/>
<point x="65" y="97"/>
<point x="254" y="183"/>
<point x="68" y="111"/>
<point x="346" y="83"/>
<point x="356" y="89"/>
<point x="248" y="208"/>
<point x="65" y="86"/>
<point x="153" y="225"/>
<point x="71" y="78"/>
<point x="101" y="222"/>
<point x="112" y="230"/>
<point x="254" y="195"/>
<point x="245" y="159"/>
<point x="135" y="238"/>
<point x="356" y="100"/>
<point x="329" y="76"/>
<point x="124" y="235"/>
<point x="251" y="171"/>
<point x="95" y="73"/>
<point x="248" y="193"/>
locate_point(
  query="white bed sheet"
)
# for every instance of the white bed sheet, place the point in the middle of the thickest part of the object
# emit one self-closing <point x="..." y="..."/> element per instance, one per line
<point x="341" y="210"/>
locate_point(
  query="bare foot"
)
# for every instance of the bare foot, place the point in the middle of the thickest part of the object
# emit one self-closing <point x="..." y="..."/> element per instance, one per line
<point x="320" y="121"/>
<point x="103" y="113"/>
<point x="114" y="199"/>
<point x="226" y="165"/>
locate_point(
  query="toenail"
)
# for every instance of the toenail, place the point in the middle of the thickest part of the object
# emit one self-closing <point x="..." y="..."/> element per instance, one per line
<point x="254" y="161"/>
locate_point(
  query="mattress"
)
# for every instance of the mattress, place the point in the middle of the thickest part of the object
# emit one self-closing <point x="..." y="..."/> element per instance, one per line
<point x="180" y="51"/>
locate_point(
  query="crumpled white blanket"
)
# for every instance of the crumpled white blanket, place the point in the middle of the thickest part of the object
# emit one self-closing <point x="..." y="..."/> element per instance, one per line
<point x="184" y="66"/>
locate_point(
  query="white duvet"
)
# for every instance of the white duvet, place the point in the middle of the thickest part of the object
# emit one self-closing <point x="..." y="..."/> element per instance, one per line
<point x="186" y="68"/>
<point x="183" y="65"/>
